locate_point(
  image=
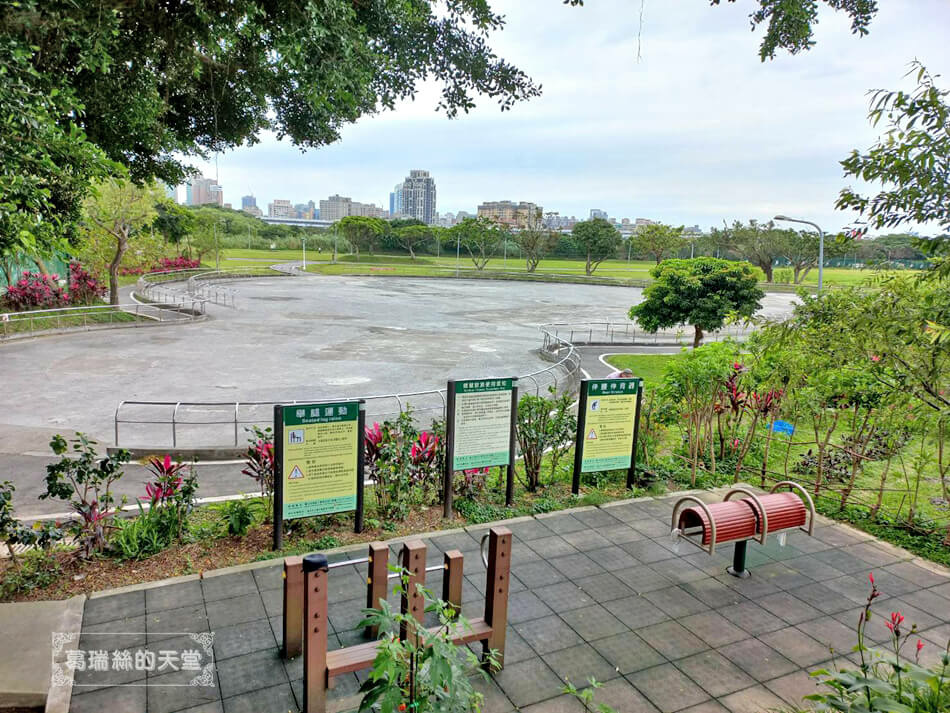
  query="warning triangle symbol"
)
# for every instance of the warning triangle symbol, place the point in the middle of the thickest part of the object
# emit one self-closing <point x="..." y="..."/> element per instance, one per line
<point x="295" y="473"/>
<point x="592" y="436"/>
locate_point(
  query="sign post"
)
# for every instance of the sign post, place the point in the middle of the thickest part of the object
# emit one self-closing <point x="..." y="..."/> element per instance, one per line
<point x="318" y="461"/>
<point x="608" y="418"/>
<point x="481" y="415"/>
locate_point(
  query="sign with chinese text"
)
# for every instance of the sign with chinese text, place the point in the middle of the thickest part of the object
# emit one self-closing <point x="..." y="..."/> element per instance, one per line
<point x="606" y="428"/>
<point x="319" y="458"/>
<point x="482" y="423"/>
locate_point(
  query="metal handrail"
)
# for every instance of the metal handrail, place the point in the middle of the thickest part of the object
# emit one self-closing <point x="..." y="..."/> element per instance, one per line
<point x="52" y="319"/>
<point x="569" y="363"/>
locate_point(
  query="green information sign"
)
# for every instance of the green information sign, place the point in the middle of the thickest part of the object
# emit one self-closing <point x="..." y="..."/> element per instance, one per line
<point x="606" y="426"/>
<point x="482" y="423"/>
<point x="319" y="452"/>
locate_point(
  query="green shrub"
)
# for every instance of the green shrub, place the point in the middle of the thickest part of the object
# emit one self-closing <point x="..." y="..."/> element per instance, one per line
<point x="36" y="569"/>
<point x="240" y="515"/>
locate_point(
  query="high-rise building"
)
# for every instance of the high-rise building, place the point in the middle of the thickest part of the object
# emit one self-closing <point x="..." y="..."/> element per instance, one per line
<point x="418" y="197"/>
<point x="280" y="208"/>
<point x="395" y="201"/>
<point x="305" y="210"/>
<point x="248" y="202"/>
<point x="202" y="191"/>
<point x="509" y="212"/>
<point x="336" y="207"/>
<point x="598" y="213"/>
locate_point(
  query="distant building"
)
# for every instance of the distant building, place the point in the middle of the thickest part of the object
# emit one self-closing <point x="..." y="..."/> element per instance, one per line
<point x="305" y="211"/>
<point x="509" y="212"/>
<point x="640" y="222"/>
<point x="395" y="201"/>
<point x="416" y="198"/>
<point x="280" y="208"/>
<point x="336" y="207"/>
<point x="202" y="191"/>
<point x="248" y="202"/>
<point x="598" y="213"/>
<point x="253" y="210"/>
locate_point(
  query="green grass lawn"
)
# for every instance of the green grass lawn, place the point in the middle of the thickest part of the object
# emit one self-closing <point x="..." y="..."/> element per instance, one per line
<point x="27" y="322"/>
<point x="648" y="367"/>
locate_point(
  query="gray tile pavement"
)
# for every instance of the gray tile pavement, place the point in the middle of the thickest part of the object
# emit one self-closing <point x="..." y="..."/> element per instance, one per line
<point x="599" y="592"/>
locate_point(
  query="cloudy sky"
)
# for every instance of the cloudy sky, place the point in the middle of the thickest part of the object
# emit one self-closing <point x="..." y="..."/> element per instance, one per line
<point x="696" y="131"/>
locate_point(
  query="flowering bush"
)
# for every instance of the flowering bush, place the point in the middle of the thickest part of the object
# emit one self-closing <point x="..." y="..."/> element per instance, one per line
<point x="35" y="290"/>
<point x="259" y="462"/>
<point x="404" y="464"/>
<point x="179" y="262"/>
<point x="889" y="682"/>
<point x="84" y="481"/>
<point x="84" y="289"/>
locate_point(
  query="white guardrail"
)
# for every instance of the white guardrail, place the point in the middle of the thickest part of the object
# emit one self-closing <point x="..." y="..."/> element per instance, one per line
<point x="19" y="325"/>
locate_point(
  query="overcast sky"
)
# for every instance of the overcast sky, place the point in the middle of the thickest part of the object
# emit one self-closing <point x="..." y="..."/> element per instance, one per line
<point x="696" y="132"/>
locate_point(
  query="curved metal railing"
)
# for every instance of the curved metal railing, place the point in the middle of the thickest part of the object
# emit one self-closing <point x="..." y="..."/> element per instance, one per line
<point x="628" y="333"/>
<point x="200" y="283"/>
<point x="18" y="325"/>
<point x="190" y="424"/>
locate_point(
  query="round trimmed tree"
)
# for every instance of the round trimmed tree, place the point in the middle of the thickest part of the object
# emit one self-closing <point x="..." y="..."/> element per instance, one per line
<point x="700" y="292"/>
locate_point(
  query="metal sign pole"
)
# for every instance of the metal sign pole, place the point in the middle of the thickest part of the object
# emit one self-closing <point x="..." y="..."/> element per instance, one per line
<point x="632" y="472"/>
<point x="360" y="464"/>
<point x="512" y="440"/>
<point x="449" y="449"/>
<point x="579" y="440"/>
<point x="278" y="477"/>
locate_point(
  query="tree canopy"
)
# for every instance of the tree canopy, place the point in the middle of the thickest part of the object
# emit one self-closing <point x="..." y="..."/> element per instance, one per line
<point x="701" y="292"/>
<point x="658" y="241"/>
<point x="361" y="232"/>
<point x="598" y="239"/>
<point x="534" y="239"/>
<point x="480" y="237"/>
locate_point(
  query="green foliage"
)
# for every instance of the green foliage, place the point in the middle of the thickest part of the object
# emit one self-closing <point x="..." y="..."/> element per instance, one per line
<point x="701" y="292"/>
<point x="36" y="569"/>
<point x="544" y="425"/>
<point x="114" y="218"/>
<point x="241" y="514"/>
<point x="479" y="236"/>
<point x="47" y="161"/>
<point x="362" y="233"/>
<point x="886" y="681"/>
<point x="598" y="240"/>
<point x="259" y="462"/>
<point x="586" y="696"/>
<point x="412" y="237"/>
<point x="163" y="84"/>
<point x="424" y="671"/>
<point x="84" y="480"/>
<point x="658" y="240"/>
<point x="789" y="23"/>
<point x="534" y="240"/>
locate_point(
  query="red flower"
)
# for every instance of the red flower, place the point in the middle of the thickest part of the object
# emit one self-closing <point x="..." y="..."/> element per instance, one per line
<point x="920" y="645"/>
<point x="895" y="622"/>
<point x="871" y="577"/>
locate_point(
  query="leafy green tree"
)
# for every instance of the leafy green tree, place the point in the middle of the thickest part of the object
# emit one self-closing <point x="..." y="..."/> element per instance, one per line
<point x="162" y="82"/>
<point x="362" y="233"/>
<point x="114" y="217"/>
<point x="800" y="248"/>
<point x="789" y="22"/>
<point x="46" y="161"/>
<point x="598" y="239"/>
<point x="759" y="243"/>
<point x="480" y="237"/>
<point x="534" y="240"/>
<point x="911" y="159"/>
<point x="173" y="221"/>
<point x="412" y="237"/>
<point x="397" y="223"/>
<point x="658" y="240"/>
<point x="701" y="292"/>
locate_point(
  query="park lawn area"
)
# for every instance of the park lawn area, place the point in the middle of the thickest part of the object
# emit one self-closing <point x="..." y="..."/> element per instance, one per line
<point x="649" y="367"/>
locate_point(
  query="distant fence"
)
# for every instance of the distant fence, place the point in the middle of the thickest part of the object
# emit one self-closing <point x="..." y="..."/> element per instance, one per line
<point x="629" y="334"/>
<point x="203" y="284"/>
<point x="20" y="325"/>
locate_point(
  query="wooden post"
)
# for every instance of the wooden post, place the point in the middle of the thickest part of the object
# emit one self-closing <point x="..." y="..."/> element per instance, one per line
<point x="496" y="591"/>
<point x="293" y="607"/>
<point x="377" y="581"/>
<point x="413" y="603"/>
<point x="452" y="580"/>
<point x="315" y="676"/>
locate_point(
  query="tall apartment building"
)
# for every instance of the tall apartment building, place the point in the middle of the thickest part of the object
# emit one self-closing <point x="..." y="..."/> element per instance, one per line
<point x="416" y="197"/>
<point x="598" y="213"/>
<point x="306" y="210"/>
<point x="202" y="191"/>
<point x="280" y="208"/>
<point x="509" y="212"/>
<point x="336" y="207"/>
<point x="395" y="201"/>
<point x="248" y="202"/>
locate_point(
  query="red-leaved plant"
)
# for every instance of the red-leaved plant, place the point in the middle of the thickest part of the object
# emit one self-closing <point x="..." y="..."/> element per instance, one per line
<point x="34" y="290"/>
<point x="259" y="463"/>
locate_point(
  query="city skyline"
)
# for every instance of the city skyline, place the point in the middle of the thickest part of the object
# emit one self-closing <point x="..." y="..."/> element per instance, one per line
<point x="696" y="131"/>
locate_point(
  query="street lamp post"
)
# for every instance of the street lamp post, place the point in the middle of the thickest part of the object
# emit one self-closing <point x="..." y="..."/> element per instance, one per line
<point x="304" y="242"/>
<point x="458" y="248"/>
<point x="821" y="245"/>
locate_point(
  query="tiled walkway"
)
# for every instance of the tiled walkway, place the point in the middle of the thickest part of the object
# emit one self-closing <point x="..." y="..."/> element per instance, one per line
<point x="596" y="592"/>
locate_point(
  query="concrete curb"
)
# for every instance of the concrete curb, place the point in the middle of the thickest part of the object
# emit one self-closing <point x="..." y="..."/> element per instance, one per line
<point x="59" y="697"/>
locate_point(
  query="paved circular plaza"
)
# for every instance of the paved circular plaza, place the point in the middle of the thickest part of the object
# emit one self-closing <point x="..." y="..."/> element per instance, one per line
<point x="306" y="338"/>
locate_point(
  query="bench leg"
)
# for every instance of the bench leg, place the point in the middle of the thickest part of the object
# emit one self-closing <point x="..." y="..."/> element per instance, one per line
<point x="738" y="561"/>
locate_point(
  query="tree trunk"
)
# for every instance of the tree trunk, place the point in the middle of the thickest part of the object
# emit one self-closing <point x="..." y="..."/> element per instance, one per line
<point x="697" y="336"/>
<point x="41" y="266"/>
<point x="767" y="269"/>
<point x="121" y="246"/>
<point x="587" y="267"/>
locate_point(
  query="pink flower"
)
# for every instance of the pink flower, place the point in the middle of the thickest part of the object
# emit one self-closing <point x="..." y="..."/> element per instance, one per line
<point x="871" y="577"/>
<point x="920" y="645"/>
<point x="895" y="622"/>
<point x="875" y="357"/>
